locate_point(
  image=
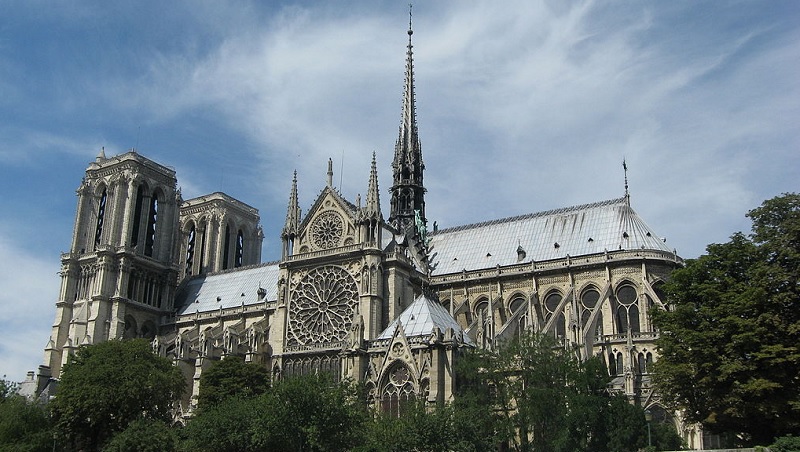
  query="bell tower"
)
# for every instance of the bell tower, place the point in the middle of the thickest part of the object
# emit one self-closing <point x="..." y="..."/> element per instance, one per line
<point x="408" y="191"/>
<point x="120" y="275"/>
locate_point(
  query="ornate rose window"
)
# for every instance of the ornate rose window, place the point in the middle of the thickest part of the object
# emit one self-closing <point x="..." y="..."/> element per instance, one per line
<point x="327" y="230"/>
<point x="322" y="307"/>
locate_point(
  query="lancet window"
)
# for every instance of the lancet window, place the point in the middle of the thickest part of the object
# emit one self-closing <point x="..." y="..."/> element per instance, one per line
<point x="239" y="259"/>
<point x="190" y="244"/>
<point x="589" y="299"/>
<point x="551" y="303"/>
<point x="398" y="390"/>
<point x="152" y="221"/>
<point x="101" y="214"/>
<point x="627" y="309"/>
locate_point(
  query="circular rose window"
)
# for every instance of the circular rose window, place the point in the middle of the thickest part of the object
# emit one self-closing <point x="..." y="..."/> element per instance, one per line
<point x="327" y="230"/>
<point x="322" y="307"/>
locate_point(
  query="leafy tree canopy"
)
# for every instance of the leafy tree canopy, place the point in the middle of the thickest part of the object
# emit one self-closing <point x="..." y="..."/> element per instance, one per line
<point x="542" y="397"/>
<point x="24" y="425"/>
<point x="730" y="341"/>
<point x="229" y="377"/>
<point x="106" y="386"/>
<point x="310" y="413"/>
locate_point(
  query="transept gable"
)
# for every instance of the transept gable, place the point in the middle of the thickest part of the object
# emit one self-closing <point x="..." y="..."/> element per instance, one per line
<point x="330" y="223"/>
<point x="397" y="354"/>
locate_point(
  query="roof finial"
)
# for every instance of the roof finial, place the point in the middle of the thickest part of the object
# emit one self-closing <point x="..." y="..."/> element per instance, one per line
<point x="625" y="170"/>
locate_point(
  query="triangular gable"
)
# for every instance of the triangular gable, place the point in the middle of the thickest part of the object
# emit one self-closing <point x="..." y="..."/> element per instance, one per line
<point x="399" y="351"/>
<point x="329" y="193"/>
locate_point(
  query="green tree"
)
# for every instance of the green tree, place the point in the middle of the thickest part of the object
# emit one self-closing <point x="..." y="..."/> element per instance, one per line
<point x="144" y="435"/>
<point x="24" y="425"/>
<point x="729" y="341"/>
<point x="226" y="426"/>
<point x="105" y="387"/>
<point x="229" y="377"/>
<point x="544" y="398"/>
<point x="310" y="413"/>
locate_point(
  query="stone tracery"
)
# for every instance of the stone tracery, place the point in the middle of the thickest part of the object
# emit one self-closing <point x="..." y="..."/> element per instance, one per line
<point x="322" y="306"/>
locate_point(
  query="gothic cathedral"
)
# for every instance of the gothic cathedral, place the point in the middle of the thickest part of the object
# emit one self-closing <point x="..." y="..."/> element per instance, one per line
<point x="383" y="300"/>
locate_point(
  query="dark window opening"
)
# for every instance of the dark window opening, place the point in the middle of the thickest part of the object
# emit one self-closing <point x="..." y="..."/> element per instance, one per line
<point x="137" y="217"/>
<point x="152" y="220"/>
<point x="239" y="259"/>
<point x="190" y="243"/>
<point x="227" y="248"/>
<point x="101" y="213"/>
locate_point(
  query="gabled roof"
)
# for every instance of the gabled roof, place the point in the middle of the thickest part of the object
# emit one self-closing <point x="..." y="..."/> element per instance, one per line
<point x="228" y="289"/>
<point x="575" y="231"/>
<point x="346" y="205"/>
<point x="421" y="317"/>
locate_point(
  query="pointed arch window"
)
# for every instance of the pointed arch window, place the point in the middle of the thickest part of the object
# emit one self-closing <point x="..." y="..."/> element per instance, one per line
<point x="627" y="309"/>
<point x="190" y="244"/>
<point x="101" y="214"/>
<point x="517" y="304"/>
<point x="152" y="222"/>
<point x="227" y="250"/>
<point x="137" y="216"/>
<point x="239" y="259"/>
<point x="398" y="391"/>
<point x="551" y="303"/>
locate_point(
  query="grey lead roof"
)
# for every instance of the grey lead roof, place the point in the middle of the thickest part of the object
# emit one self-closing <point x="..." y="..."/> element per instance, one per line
<point x="421" y="317"/>
<point x="228" y="289"/>
<point x="581" y="230"/>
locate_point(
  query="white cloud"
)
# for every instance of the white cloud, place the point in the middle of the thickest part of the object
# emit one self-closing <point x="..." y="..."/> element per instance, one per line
<point x="30" y="289"/>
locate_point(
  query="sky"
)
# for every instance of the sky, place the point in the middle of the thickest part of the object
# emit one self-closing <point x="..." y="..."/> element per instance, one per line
<point x="523" y="106"/>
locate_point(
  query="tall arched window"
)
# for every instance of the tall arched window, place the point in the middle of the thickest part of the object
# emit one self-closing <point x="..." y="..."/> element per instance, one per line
<point x="137" y="216"/>
<point x="551" y="303"/>
<point x="239" y="249"/>
<point x="627" y="315"/>
<point x="101" y="214"/>
<point x="227" y="248"/>
<point x="515" y="305"/>
<point x="397" y="391"/>
<point x="152" y="222"/>
<point x="190" y="244"/>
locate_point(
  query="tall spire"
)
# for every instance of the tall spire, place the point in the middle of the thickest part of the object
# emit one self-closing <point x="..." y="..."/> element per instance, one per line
<point x="292" y="212"/>
<point x="373" y="204"/>
<point x="408" y="191"/>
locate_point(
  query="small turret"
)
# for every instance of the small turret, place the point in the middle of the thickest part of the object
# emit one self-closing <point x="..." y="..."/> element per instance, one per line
<point x="291" y="226"/>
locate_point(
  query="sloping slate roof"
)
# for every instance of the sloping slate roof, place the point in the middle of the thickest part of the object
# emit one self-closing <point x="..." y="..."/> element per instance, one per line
<point x="421" y="317"/>
<point x="580" y="230"/>
<point x="232" y="287"/>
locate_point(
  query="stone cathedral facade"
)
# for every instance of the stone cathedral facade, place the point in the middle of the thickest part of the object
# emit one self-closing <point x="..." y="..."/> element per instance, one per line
<point x="378" y="298"/>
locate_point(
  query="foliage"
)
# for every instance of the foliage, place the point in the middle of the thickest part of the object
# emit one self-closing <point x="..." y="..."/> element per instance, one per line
<point x="416" y="429"/>
<point x="226" y="426"/>
<point x="24" y="425"/>
<point x="105" y="387"/>
<point x="544" y="398"/>
<point x="729" y="342"/>
<point x="310" y="413"/>
<point x="786" y="444"/>
<point x="144" y="435"/>
<point x="229" y="377"/>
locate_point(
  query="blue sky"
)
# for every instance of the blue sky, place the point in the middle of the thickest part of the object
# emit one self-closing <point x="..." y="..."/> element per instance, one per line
<point x="523" y="107"/>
